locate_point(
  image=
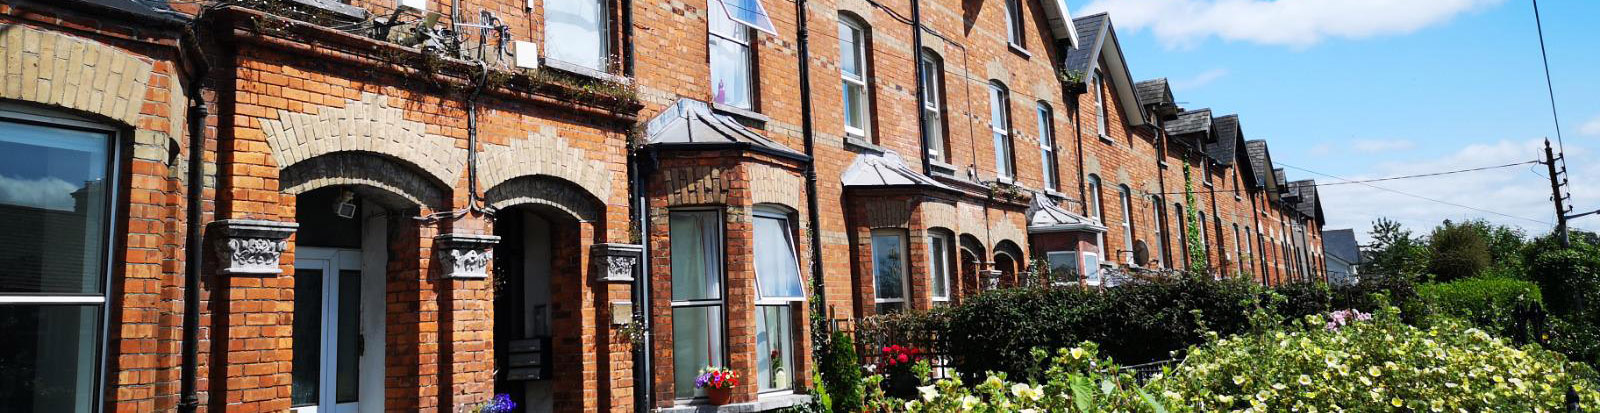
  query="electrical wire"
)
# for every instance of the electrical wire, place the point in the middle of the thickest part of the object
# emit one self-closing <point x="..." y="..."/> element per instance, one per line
<point x="1392" y="178"/>
<point x="1422" y="197"/>
<point x="1549" y="87"/>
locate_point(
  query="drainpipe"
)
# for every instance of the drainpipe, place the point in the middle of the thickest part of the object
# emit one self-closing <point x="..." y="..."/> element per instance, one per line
<point x="188" y="399"/>
<point x="916" y="67"/>
<point x="1161" y="186"/>
<point x="813" y="213"/>
<point x="627" y="38"/>
<point x="643" y="371"/>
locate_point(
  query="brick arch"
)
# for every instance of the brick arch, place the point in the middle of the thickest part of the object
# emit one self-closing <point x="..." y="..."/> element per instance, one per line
<point x="74" y="73"/>
<point x="398" y="185"/>
<point x="556" y="193"/>
<point x="545" y="154"/>
<point x="370" y="125"/>
<point x="773" y="185"/>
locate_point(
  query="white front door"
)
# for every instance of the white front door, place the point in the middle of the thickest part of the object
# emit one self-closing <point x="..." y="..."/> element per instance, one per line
<point x="328" y="326"/>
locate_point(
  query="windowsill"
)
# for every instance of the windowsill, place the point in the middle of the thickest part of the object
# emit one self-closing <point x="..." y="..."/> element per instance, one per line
<point x="857" y="143"/>
<point x="1054" y="194"/>
<point x="741" y="113"/>
<point x="1006" y="180"/>
<point x="1018" y="49"/>
<point x="1107" y="140"/>
<point x="762" y="404"/>
<point x="579" y="70"/>
<point x="939" y="167"/>
<point x="1208" y="185"/>
<point x="1163" y="164"/>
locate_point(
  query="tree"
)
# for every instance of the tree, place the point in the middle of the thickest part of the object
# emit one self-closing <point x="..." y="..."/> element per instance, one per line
<point x="1457" y="251"/>
<point x="1505" y="246"/>
<point x="1394" y="251"/>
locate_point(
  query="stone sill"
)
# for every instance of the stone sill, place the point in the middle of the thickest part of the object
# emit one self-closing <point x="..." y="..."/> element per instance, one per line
<point x="851" y="141"/>
<point x="762" y="404"/>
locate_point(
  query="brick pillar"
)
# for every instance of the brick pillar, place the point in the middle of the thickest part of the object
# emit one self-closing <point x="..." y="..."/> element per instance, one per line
<point x="411" y="319"/>
<point x="253" y="315"/>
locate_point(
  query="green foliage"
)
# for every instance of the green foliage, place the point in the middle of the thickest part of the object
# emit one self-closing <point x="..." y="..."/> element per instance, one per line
<point x="1569" y="277"/>
<point x="1457" y="252"/>
<point x="1394" y="251"/>
<point x="841" y="374"/>
<point x="1505" y="246"/>
<point x="1491" y="304"/>
<point x="1075" y="380"/>
<point x="1195" y="247"/>
<point x="1380" y="365"/>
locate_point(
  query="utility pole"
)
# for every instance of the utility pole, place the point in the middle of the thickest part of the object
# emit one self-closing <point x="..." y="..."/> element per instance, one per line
<point x="1555" y="194"/>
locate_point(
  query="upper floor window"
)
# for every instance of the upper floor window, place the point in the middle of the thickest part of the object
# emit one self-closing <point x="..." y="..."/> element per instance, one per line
<point x="732" y="70"/>
<point x="56" y="222"/>
<point x="1014" y="22"/>
<point x="575" y="32"/>
<point x="1047" y="145"/>
<point x="1099" y="104"/>
<point x="1125" y="197"/>
<point x="853" y="75"/>
<point x="1000" y="127"/>
<point x="932" y="104"/>
<point x="1096" y="211"/>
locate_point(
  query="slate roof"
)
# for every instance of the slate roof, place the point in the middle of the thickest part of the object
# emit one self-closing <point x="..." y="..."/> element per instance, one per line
<point x="1081" y="57"/>
<point x="1099" y="38"/>
<point x="690" y="124"/>
<point x="1258" y="160"/>
<point x="1307" y="202"/>
<point x="886" y="170"/>
<point x="1154" y="92"/>
<point x="1191" y="127"/>
<point x="154" y="10"/>
<point x="1341" y="244"/>
<point x="1224" y="148"/>
<point x="1045" y="216"/>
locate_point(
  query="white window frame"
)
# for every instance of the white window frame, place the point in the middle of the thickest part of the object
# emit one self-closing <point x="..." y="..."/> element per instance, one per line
<point x="721" y="302"/>
<point x="939" y="263"/>
<point x="1014" y="26"/>
<point x="1096" y="211"/>
<point x="1160" y="228"/>
<point x="1047" y="145"/>
<point x="932" y="102"/>
<point x="787" y="303"/>
<point x="1068" y="256"/>
<point x="601" y="32"/>
<point x="859" y="31"/>
<point x="905" y="261"/>
<point x="1100" y="105"/>
<point x="746" y="44"/>
<point x="110" y="228"/>
<point x="1091" y="267"/>
<point x="1125" y="196"/>
<point x="1000" y="128"/>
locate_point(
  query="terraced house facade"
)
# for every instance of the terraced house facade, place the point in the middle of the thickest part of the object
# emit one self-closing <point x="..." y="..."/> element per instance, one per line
<point x="309" y="205"/>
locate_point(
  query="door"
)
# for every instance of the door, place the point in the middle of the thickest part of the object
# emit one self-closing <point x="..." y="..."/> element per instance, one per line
<point x="328" y="326"/>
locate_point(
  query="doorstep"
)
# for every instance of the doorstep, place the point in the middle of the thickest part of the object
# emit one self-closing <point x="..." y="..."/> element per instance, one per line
<point x="764" y="404"/>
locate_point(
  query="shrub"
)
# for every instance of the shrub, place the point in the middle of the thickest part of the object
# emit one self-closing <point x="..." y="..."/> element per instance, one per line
<point x="1569" y="277"/>
<point x="1075" y="380"/>
<point x="841" y="373"/>
<point x="1365" y="365"/>
<point x="1492" y="304"/>
<point x="1459" y="251"/>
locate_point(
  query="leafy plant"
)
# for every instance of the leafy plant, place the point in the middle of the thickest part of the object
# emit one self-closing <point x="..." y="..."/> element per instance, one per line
<point x="1457" y="252"/>
<point x="841" y="373"/>
<point x="1491" y="304"/>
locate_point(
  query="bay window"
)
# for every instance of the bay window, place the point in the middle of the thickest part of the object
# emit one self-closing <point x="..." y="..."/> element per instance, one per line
<point x="57" y="180"/>
<point x="1000" y="127"/>
<point x="575" y="33"/>
<point x="889" y="269"/>
<point x="853" y="76"/>
<point x="939" y="267"/>
<point x="778" y="288"/>
<point x="696" y="258"/>
<point x="731" y="67"/>
<point x="1063" y="267"/>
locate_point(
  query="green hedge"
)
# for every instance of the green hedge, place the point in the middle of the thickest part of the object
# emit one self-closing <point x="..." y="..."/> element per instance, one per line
<point x="1490" y="303"/>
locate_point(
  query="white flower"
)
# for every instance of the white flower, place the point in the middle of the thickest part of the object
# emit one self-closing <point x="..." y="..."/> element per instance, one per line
<point x="1022" y="390"/>
<point x="968" y="402"/>
<point x="929" y="392"/>
<point x="1078" y="352"/>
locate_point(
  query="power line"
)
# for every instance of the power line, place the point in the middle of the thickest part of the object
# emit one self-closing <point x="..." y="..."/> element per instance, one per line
<point x="1549" y="87"/>
<point x="1392" y="178"/>
<point x="1422" y="197"/>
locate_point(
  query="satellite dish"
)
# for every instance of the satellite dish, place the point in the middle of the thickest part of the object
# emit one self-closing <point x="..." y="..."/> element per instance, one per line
<point x="1141" y="253"/>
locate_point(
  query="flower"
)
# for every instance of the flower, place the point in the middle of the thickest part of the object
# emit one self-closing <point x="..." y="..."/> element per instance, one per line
<point x="1022" y="390"/>
<point x="929" y="392"/>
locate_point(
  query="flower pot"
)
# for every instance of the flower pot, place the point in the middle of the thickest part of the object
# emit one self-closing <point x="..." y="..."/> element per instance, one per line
<point x="719" y="396"/>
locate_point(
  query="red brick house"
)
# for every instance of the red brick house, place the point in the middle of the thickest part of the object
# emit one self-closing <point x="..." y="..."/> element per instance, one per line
<point x="306" y="205"/>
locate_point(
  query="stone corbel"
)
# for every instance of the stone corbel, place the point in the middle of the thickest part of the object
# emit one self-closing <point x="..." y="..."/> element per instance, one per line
<point x="465" y="256"/>
<point x="991" y="279"/>
<point x="616" y="262"/>
<point x="250" y="247"/>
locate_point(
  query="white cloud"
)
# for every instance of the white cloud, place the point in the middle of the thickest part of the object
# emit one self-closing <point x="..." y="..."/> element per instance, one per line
<point x="1376" y="145"/>
<point x="47" y="192"/>
<point x="1522" y="192"/>
<point x="1322" y="149"/>
<point x="1590" y="128"/>
<point x="1296" y="23"/>
<point x="1202" y="79"/>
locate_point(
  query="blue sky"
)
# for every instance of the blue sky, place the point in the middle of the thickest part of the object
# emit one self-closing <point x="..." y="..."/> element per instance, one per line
<point x="1372" y="88"/>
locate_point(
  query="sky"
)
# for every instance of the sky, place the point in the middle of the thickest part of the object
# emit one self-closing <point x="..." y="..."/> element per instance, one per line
<point x="1363" y="89"/>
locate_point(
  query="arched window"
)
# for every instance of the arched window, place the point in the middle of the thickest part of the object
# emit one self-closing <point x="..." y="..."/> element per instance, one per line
<point x="940" y="244"/>
<point x="1000" y="127"/>
<point x="889" y="266"/>
<point x="931" y="68"/>
<point x="853" y="76"/>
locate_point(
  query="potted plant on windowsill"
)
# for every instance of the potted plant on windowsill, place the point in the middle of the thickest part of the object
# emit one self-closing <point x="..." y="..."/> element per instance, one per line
<point x="718" y="383"/>
<point x="1072" y="81"/>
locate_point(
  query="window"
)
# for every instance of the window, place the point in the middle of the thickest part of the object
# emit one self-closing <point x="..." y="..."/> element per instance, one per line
<point x="697" y="308"/>
<point x="1096" y="211"/>
<point x="939" y="267"/>
<point x="1099" y="104"/>
<point x="1091" y="267"/>
<point x="1047" y="145"/>
<point x="1125" y="196"/>
<point x="1014" y="25"/>
<point x="575" y="32"/>
<point x="853" y="74"/>
<point x="1161" y="231"/>
<point x="56" y="265"/>
<point x="1183" y="234"/>
<point x="778" y="287"/>
<point x="889" y="269"/>
<point x="1249" y="246"/>
<point x="1238" y="246"/>
<point x="1205" y="243"/>
<point x="932" y="104"/>
<point x="1063" y="267"/>
<point x="731" y="68"/>
<point x="1000" y="127"/>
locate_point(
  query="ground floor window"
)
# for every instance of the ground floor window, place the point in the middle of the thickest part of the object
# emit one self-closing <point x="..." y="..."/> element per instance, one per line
<point x="697" y="306"/>
<point x="1063" y="267"/>
<point x="889" y="269"/>
<point x="56" y="183"/>
<point x="939" y="268"/>
<point x="778" y="288"/>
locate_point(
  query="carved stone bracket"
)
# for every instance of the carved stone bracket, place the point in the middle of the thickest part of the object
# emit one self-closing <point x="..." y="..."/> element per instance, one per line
<point x="465" y="255"/>
<point x="250" y="247"/>
<point x="617" y="262"/>
<point x="991" y="279"/>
